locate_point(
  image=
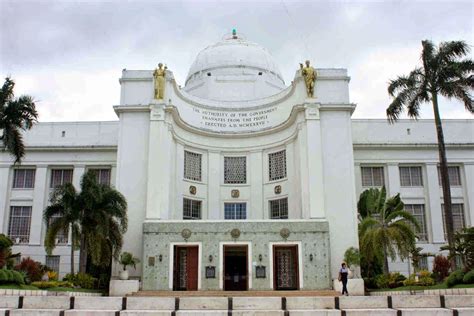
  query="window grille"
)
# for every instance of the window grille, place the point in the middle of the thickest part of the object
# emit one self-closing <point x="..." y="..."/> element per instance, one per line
<point x="102" y="176"/>
<point x="61" y="236"/>
<point x="235" y="210"/>
<point x="191" y="209"/>
<point x="418" y="211"/>
<point x="411" y="177"/>
<point x="60" y="177"/>
<point x="458" y="218"/>
<point x="24" y="178"/>
<point x="19" y="226"/>
<point x="423" y="263"/>
<point x="372" y="176"/>
<point x="454" y="176"/>
<point x="277" y="165"/>
<point x="192" y="166"/>
<point x="52" y="262"/>
<point x="279" y="209"/>
<point x="235" y="169"/>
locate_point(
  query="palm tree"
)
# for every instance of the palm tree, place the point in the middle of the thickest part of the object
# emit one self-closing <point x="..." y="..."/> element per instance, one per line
<point x="385" y="228"/>
<point x="97" y="215"/>
<point x="15" y="114"/>
<point x="103" y="221"/>
<point x="63" y="213"/>
<point x="443" y="72"/>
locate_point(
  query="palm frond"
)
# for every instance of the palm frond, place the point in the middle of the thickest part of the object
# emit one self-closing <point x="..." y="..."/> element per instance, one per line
<point x="449" y="51"/>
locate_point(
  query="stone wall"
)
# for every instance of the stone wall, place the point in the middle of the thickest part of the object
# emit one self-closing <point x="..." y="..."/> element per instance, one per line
<point x="311" y="236"/>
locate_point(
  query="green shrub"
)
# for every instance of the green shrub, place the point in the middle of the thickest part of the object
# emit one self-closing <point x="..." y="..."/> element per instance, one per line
<point x="83" y="280"/>
<point x="469" y="277"/>
<point x="3" y="276"/>
<point x="425" y="278"/>
<point x="33" y="269"/>
<point x="51" y="284"/>
<point x="454" y="278"/>
<point x="9" y="275"/>
<point x="395" y="279"/>
<point x="18" y="277"/>
<point x="370" y="283"/>
<point x="381" y="281"/>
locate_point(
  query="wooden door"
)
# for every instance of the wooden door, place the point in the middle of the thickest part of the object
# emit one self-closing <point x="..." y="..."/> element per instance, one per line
<point x="185" y="270"/>
<point x="285" y="267"/>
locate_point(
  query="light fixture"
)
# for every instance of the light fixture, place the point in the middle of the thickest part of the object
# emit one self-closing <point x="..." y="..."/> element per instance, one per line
<point x="310" y="257"/>
<point x="260" y="257"/>
<point x="210" y="258"/>
<point x="160" y="258"/>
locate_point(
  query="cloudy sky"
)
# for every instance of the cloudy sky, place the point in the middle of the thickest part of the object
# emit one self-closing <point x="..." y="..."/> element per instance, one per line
<point x="69" y="54"/>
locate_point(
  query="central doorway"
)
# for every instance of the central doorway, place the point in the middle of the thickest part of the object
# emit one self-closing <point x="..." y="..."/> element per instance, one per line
<point x="285" y="267"/>
<point x="185" y="270"/>
<point x="235" y="268"/>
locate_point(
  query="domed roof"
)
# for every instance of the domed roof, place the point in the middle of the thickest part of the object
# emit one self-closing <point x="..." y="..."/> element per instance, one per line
<point x="238" y="60"/>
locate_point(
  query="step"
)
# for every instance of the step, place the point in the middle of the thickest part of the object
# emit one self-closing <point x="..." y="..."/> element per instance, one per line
<point x="465" y="311"/>
<point x="312" y="303"/>
<point x="459" y="300"/>
<point x="205" y="303"/>
<point x="46" y="302"/>
<point x="33" y="312"/>
<point x="363" y="302"/>
<point x="151" y="303"/>
<point x="316" y="312"/>
<point x="426" y="311"/>
<point x="145" y="312"/>
<point x="370" y="312"/>
<point x="90" y="312"/>
<point x="202" y="313"/>
<point x="256" y="303"/>
<point x="97" y="303"/>
<point x="415" y="301"/>
<point x="258" y="313"/>
<point x="9" y="301"/>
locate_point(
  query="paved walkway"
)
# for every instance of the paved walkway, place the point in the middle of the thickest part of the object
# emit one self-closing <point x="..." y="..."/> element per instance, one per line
<point x="237" y="293"/>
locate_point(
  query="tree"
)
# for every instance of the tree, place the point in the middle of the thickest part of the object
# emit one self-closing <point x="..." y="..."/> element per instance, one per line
<point x="6" y="256"/>
<point x="15" y="114"/>
<point x="385" y="229"/>
<point x="63" y="213"/>
<point x="463" y="246"/>
<point x="443" y="72"/>
<point x="97" y="216"/>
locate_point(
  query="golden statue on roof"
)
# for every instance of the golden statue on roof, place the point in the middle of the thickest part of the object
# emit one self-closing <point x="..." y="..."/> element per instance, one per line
<point x="159" y="81"/>
<point x="309" y="75"/>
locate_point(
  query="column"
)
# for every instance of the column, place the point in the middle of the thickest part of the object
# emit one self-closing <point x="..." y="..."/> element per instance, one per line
<point x="159" y="173"/>
<point x="213" y="188"/>
<point x="4" y="189"/>
<point x="469" y="193"/>
<point x="434" y="200"/>
<point x="256" y="207"/>
<point x="393" y="179"/>
<point x="315" y="162"/>
<point x="39" y="203"/>
<point x="77" y="174"/>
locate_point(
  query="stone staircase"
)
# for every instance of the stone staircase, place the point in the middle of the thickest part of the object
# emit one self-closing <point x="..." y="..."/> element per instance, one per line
<point x="432" y="305"/>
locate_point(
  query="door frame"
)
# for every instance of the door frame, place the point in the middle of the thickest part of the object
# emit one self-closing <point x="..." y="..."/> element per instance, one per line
<point x="300" y="261"/>
<point x="249" y="262"/>
<point x="246" y="266"/>
<point x="171" y="261"/>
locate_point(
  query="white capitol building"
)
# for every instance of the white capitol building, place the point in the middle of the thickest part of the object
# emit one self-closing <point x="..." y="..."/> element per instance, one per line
<point x="237" y="181"/>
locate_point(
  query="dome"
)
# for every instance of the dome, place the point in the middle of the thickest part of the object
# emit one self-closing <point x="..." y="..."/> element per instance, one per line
<point x="234" y="69"/>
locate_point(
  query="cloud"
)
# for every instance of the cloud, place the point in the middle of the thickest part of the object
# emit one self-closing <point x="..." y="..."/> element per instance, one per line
<point x="69" y="54"/>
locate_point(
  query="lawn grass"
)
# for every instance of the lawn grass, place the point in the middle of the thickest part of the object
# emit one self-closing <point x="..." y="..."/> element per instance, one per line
<point x="440" y="286"/>
<point x="54" y="289"/>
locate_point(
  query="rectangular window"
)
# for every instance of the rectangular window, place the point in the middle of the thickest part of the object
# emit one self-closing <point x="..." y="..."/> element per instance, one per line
<point x="102" y="176"/>
<point x="458" y="217"/>
<point x="372" y="176"/>
<point x="52" y="262"/>
<point x="24" y="178"/>
<point x="192" y="166"/>
<point x="235" y="169"/>
<point x="418" y="211"/>
<point x="423" y="263"/>
<point x="279" y="209"/>
<point x="191" y="209"/>
<point x="454" y="176"/>
<point x="411" y="177"/>
<point x="60" y="177"/>
<point x="19" y="226"/>
<point x="277" y="165"/>
<point x="62" y="236"/>
<point x="235" y="210"/>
